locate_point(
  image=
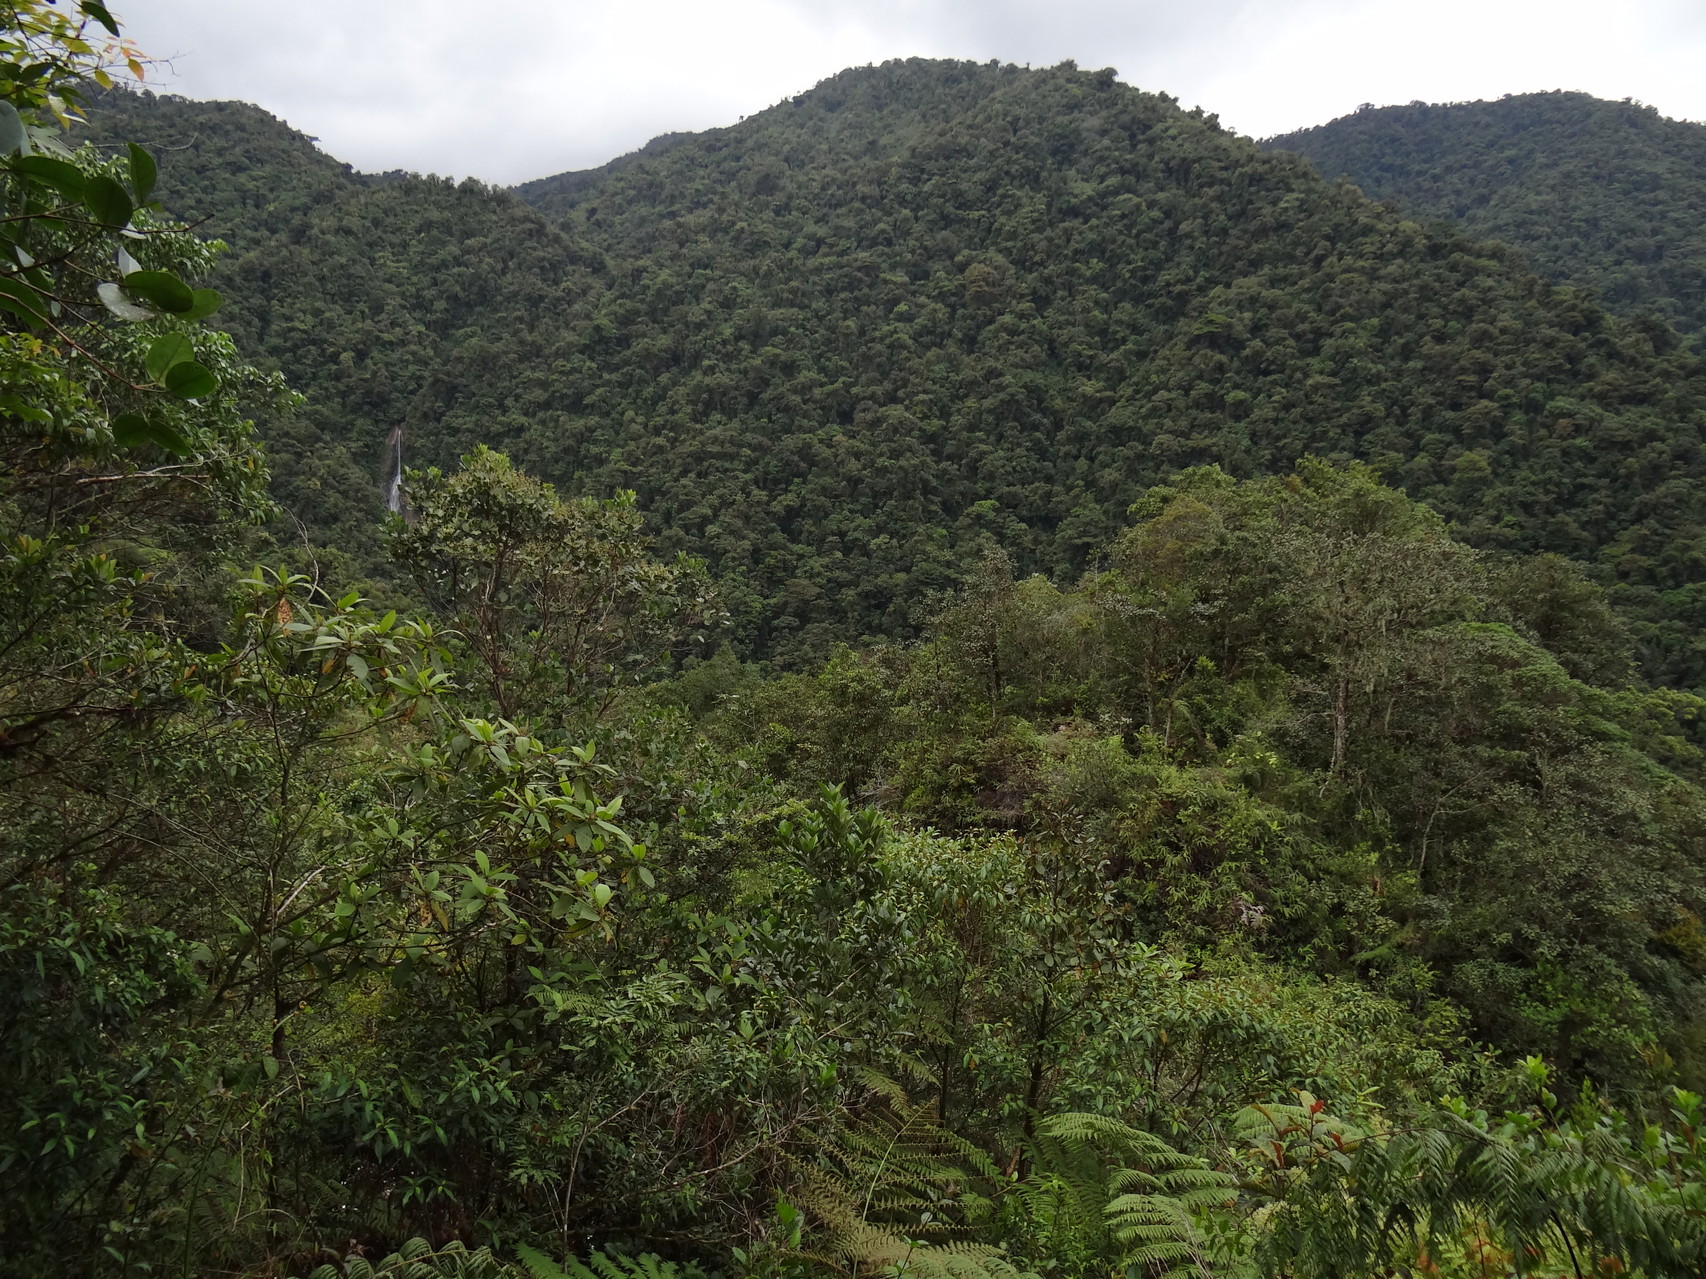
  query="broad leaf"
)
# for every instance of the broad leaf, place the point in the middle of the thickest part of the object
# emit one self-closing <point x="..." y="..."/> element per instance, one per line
<point x="97" y="11"/>
<point x="130" y="430"/>
<point x="168" y="439"/>
<point x="143" y="171"/>
<point x="207" y="301"/>
<point x="161" y="289"/>
<point x="113" y="298"/>
<point x="63" y="176"/>
<point x="167" y="351"/>
<point x="107" y="200"/>
<point x="190" y="380"/>
<point x="13" y="139"/>
<point x="23" y="301"/>
<point x="24" y="409"/>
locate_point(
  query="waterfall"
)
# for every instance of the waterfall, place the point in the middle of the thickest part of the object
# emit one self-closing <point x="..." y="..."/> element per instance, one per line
<point x="394" y="498"/>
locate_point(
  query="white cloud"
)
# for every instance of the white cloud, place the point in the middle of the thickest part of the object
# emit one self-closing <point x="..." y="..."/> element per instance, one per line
<point x="521" y="89"/>
<point x="1458" y="50"/>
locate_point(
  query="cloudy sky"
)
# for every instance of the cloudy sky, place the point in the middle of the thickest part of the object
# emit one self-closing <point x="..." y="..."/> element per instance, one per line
<point x="507" y="90"/>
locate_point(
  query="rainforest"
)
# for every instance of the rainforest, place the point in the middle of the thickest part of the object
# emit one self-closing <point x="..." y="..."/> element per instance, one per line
<point x="971" y="676"/>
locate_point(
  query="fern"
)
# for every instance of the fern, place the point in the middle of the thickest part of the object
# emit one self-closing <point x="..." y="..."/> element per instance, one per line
<point x="1539" y="1189"/>
<point x="1100" y="1186"/>
<point x="956" y="1261"/>
<point x="417" y="1259"/>
<point x="605" y="1265"/>
<point x="897" y="1193"/>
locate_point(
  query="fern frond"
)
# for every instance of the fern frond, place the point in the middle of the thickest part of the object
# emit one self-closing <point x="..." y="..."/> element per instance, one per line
<point x="894" y="1190"/>
<point x="538" y="1264"/>
<point x="417" y="1259"/>
<point x="600" y="1264"/>
<point x="1125" y="1194"/>
<point x="964" y="1261"/>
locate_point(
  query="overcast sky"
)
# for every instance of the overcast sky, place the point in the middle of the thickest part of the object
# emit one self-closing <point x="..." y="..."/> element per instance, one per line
<point x="508" y="90"/>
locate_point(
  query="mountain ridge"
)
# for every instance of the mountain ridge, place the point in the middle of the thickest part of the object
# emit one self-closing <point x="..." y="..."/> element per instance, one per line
<point x="840" y="346"/>
<point x="1596" y="193"/>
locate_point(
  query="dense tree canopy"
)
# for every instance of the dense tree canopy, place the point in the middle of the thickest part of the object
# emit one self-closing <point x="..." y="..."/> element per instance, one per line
<point x="836" y="346"/>
<point x="1299" y="878"/>
<point x="1605" y="196"/>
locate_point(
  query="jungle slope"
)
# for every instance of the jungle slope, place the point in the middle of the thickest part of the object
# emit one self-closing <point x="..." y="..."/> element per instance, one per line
<point x="1606" y="196"/>
<point x="838" y="347"/>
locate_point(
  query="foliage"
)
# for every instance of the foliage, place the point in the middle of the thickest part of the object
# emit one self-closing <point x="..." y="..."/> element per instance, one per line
<point x="559" y="601"/>
<point x="1106" y="1191"/>
<point x="1131" y="926"/>
<point x="1604" y="196"/>
<point x="896" y="1189"/>
<point x="1533" y="1191"/>
<point x="1296" y="716"/>
<point x="418" y="1259"/>
<point x="51" y="54"/>
<point x="838" y="347"/>
<point x="605" y="1265"/>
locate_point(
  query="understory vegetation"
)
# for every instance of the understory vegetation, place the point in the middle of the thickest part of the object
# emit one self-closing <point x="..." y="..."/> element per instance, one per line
<point x="1295" y="883"/>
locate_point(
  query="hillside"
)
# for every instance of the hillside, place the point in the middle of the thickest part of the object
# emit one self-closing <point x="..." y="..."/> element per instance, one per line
<point x="1602" y="195"/>
<point x="837" y="347"/>
<point x="378" y="295"/>
<point x="1312" y="887"/>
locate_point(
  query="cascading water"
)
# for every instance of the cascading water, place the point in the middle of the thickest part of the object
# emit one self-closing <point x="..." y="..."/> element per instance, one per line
<point x="394" y="498"/>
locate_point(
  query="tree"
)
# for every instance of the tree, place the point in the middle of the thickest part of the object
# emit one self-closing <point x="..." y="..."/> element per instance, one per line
<point x="559" y="600"/>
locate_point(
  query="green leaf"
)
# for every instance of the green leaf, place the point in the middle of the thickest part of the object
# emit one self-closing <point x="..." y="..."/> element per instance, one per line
<point x="23" y="301"/>
<point x="113" y="298"/>
<point x="207" y="301"/>
<point x="190" y="381"/>
<point x="161" y="289"/>
<point x="538" y="1264"/>
<point x="130" y="430"/>
<point x="143" y="171"/>
<point x="24" y="409"/>
<point x="107" y="200"/>
<point x="63" y="176"/>
<point x="12" y="136"/>
<point x="93" y="9"/>
<point x="172" y="349"/>
<point x="168" y="439"/>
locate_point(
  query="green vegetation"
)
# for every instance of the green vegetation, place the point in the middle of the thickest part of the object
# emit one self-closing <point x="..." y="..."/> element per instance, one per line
<point x="1604" y="196"/>
<point x="1299" y="882"/>
<point x="838" y="346"/>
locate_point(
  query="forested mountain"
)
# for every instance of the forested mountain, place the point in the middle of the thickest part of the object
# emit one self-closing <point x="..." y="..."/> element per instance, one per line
<point x="838" y="346"/>
<point x="1606" y="196"/>
<point x="390" y="301"/>
<point x="1301" y="878"/>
